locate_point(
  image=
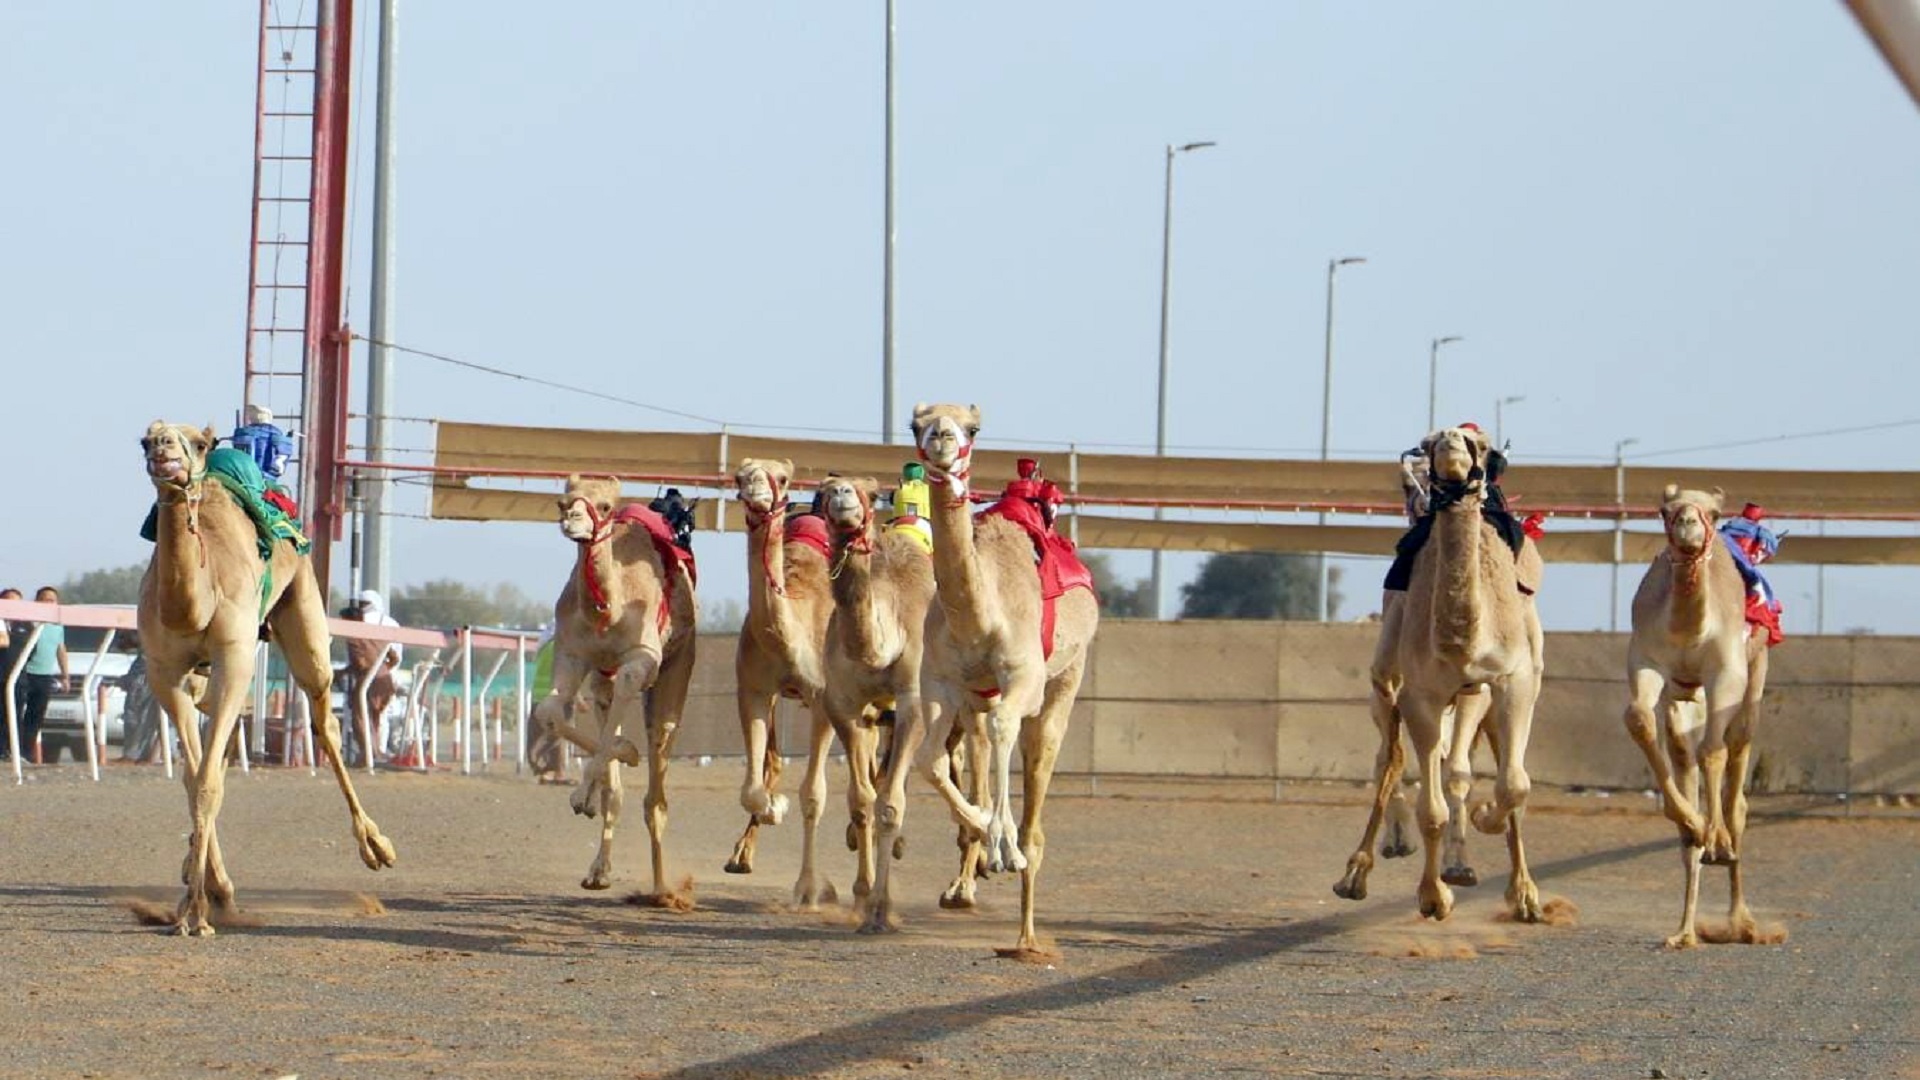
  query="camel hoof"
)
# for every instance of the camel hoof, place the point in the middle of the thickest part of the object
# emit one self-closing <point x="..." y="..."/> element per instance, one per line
<point x="1350" y="888"/>
<point x="1395" y="849"/>
<point x="808" y="896"/>
<point x="878" y="924"/>
<point x="742" y="860"/>
<point x="959" y="895"/>
<point x="1460" y="875"/>
<point x="194" y="929"/>
<point x="1436" y="903"/>
<point x="1686" y="939"/>
<point x="376" y="850"/>
<point x="595" y="880"/>
<point x="776" y="811"/>
<point x="625" y="752"/>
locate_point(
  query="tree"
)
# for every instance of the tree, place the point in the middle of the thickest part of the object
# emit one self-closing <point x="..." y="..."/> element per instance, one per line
<point x="1257" y="585"/>
<point x="448" y="603"/>
<point x="1118" y="599"/>
<point x="119" y="585"/>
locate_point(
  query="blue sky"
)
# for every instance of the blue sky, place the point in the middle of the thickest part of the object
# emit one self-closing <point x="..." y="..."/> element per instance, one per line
<point x="1686" y="224"/>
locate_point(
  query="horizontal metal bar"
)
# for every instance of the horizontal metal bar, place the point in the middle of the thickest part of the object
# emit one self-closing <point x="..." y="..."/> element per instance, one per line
<point x="279" y="329"/>
<point x="265" y="285"/>
<point x="283" y="243"/>
<point x="286" y="157"/>
<point x="286" y="114"/>
<point x="285" y="198"/>
<point x="293" y="27"/>
<point x="289" y="71"/>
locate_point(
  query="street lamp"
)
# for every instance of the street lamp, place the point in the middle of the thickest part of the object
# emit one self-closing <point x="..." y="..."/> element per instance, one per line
<point x="1166" y="288"/>
<point x="1499" y="437"/>
<point x="1619" y="525"/>
<point x="1326" y="405"/>
<point x="1433" y="373"/>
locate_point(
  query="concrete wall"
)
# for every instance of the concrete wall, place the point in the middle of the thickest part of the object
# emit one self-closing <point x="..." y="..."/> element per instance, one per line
<point x="1287" y="701"/>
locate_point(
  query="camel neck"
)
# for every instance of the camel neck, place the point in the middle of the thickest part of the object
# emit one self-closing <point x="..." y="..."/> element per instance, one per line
<point x="853" y="596"/>
<point x="767" y="603"/>
<point x="181" y="576"/>
<point x="1687" y="613"/>
<point x="603" y="594"/>
<point x="1456" y="601"/>
<point x="957" y="576"/>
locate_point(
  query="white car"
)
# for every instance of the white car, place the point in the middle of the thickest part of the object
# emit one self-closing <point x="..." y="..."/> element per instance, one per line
<point x="65" y="725"/>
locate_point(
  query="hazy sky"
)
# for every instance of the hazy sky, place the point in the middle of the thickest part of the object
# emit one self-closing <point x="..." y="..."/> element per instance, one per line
<point x="1684" y="223"/>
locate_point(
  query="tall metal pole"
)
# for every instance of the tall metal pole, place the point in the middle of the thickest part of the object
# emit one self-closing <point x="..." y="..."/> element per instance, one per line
<point x="1619" y="528"/>
<point x="1433" y="374"/>
<point x="378" y="543"/>
<point x="1499" y="428"/>
<point x="886" y="288"/>
<point x="1166" y="291"/>
<point x="1326" y="408"/>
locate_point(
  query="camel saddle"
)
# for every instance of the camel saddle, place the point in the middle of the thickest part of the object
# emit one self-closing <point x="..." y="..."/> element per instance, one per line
<point x="1514" y="532"/>
<point x="1060" y="567"/>
<point x="811" y="530"/>
<point x="672" y="555"/>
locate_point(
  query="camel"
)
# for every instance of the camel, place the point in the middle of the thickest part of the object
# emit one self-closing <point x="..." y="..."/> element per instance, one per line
<point x="882" y="589"/>
<point x="204" y="597"/>
<point x="1466" y="714"/>
<point x="1690" y="634"/>
<point x="623" y="629"/>
<point x="781" y="653"/>
<point x="984" y="653"/>
<point x="1464" y="627"/>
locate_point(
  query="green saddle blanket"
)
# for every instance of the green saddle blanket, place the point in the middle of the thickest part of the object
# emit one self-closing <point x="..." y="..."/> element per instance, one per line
<point x="241" y="476"/>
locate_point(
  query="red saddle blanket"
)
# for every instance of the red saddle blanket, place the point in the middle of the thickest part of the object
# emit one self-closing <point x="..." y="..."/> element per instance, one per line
<point x="811" y="530"/>
<point x="672" y="555"/>
<point x="1060" y="568"/>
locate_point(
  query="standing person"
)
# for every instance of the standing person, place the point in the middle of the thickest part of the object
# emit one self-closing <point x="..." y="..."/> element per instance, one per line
<point x="12" y="636"/>
<point x="45" y="674"/>
<point x="545" y="751"/>
<point x="371" y="663"/>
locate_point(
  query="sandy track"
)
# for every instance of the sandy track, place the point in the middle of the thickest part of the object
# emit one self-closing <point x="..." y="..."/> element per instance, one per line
<point x="1198" y="935"/>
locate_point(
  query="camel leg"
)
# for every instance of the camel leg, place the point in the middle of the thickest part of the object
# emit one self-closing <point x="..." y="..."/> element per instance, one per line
<point x="913" y="716"/>
<point x="967" y="756"/>
<point x="306" y="653"/>
<point x="1469" y="719"/>
<point x="1389" y="761"/>
<point x="613" y="704"/>
<point x="206" y="780"/>
<point x="811" y="888"/>
<point x="1039" y="750"/>
<point x="1726" y="700"/>
<point x="1512" y="724"/>
<point x="1022" y="697"/>
<point x="1648" y="688"/>
<point x="665" y="702"/>
<point x="762" y="740"/>
<point x="1425" y="718"/>
<point x="1740" y="922"/>
<point x="864" y="775"/>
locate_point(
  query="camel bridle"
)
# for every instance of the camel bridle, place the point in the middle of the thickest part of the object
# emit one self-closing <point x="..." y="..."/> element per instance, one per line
<point x="857" y="537"/>
<point x="1442" y="494"/>
<point x="1687" y="559"/>
<point x="190" y="490"/>
<point x="758" y="519"/>
<point x="953" y="479"/>
<point x="602" y="531"/>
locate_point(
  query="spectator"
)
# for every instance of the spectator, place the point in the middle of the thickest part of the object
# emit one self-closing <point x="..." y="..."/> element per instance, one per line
<point x="545" y="754"/>
<point x="370" y="664"/>
<point x="44" y="675"/>
<point x="140" y="716"/>
<point x="12" y="636"/>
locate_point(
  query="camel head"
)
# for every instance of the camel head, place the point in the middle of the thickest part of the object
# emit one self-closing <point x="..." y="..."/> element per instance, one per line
<point x="945" y="435"/>
<point x="176" y="454"/>
<point x="848" y="504"/>
<point x="763" y="487"/>
<point x="1456" y="454"/>
<point x="587" y="506"/>
<point x="1690" y="518"/>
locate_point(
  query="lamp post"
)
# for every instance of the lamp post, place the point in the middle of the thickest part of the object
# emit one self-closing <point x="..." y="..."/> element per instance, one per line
<point x="1433" y="373"/>
<point x="1166" y="288"/>
<point x="1326" y="406"/>
<point x="886" y="258"/>
<point x="1619" y="526"/>
<point x="1499" y="404"/>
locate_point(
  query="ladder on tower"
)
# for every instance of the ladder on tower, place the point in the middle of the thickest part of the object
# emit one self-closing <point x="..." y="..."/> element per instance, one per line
<point x="281" y="246"/>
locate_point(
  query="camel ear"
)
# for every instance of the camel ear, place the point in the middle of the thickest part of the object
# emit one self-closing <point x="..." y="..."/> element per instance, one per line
<point x="973" y="417"/>
<point x="867" y="486"/>
<point x="1670" y="493"/>
<point x="787" y="465"/>
<point x="1719" y="498"/>
<point x="211" y="436"/>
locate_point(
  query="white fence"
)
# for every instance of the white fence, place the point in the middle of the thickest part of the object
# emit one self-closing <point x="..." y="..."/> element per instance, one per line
<point x="448" y="654"/>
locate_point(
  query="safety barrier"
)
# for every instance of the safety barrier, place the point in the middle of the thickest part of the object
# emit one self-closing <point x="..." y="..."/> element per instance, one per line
<point x="421" y="740"/>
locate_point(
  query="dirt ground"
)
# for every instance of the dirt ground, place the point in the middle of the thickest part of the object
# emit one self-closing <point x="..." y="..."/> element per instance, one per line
<point x="1195" y="924"/>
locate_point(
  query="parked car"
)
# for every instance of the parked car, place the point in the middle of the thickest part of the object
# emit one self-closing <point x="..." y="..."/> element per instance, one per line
<point x="65" y="726"/>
